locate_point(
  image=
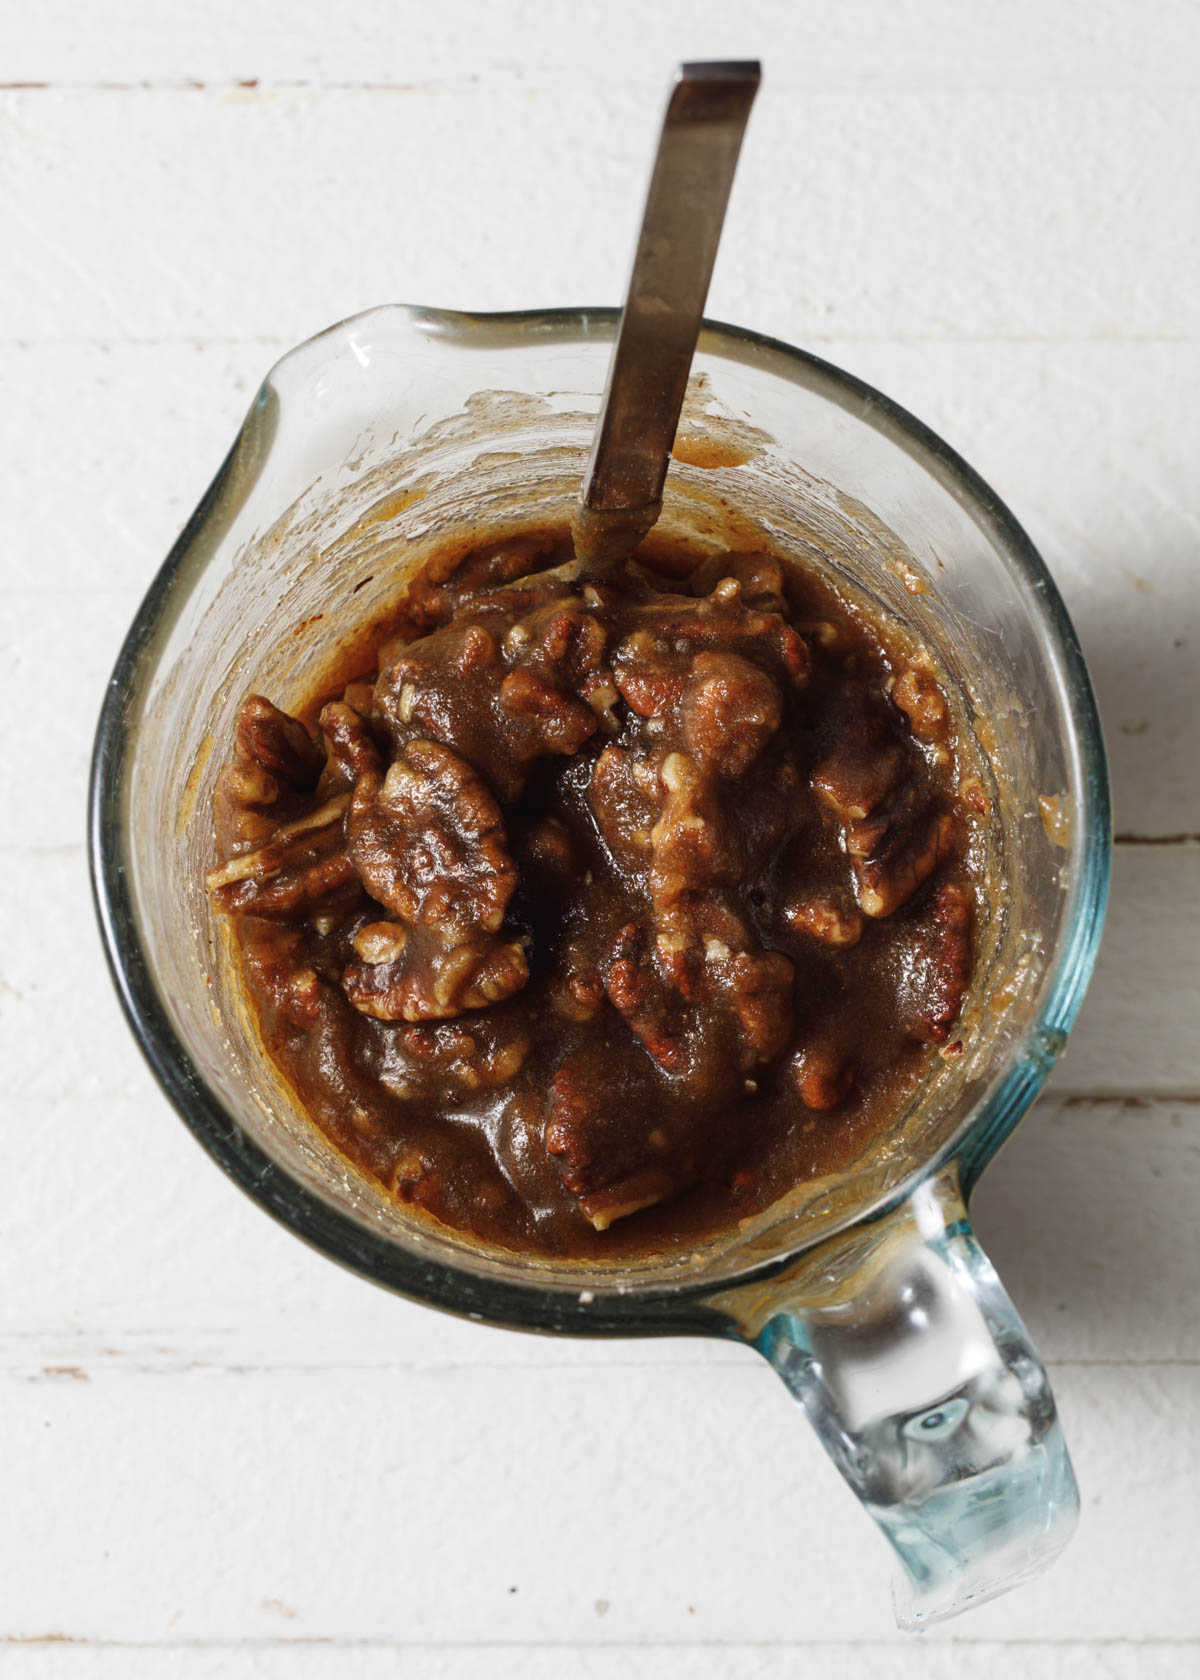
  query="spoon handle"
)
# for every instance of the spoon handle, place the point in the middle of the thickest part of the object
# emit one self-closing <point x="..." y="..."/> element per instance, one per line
<point x="698" y="148"/>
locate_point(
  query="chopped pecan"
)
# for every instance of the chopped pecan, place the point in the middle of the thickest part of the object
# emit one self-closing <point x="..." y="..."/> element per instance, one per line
<point x="823" y="1074"/>
<point x="704" y="998"/>
<point x="759" y="578"/>
<point x="426" y="1059"/>
<point x="936" y="965"/>
<point x="650" y="674"/>
<point x="692" y="844"/>
<point x="894" y="830"/>
<point x="380" y="942"/>
<point x="428" y="841"/>
<point x="578" y="991"/>
<point x="242" y="802"/>
<point x="602" y="695"/>
<point x="502" y="1061"/>
<point x="414" y="1176"/>
<point x="278" y="960"/>
<point x="269" y="737"/>
<point x="714" y="961"/>
<point x="825" y="920"/>
<point x="477" y="649"/>
<point x="360" y="697"/>
<point x="730" y="711"/>
<point x="623" y="812"/>
<point x="311" y="880"/>
<point x="718" y="622"/>
<point x="918" y="696"/>
<point x="562" y="723"/>
<point x="569" y="1133"/>
<point x="696" y="934"/>
<point x="421" y="680"/>
<point x="453" y="686"/>
<point x="593" y="1151"/>
<point x="901" y="858"/>
<point x="431" y="1060"/>
<point x="548" y="847"/>
<point x="617" y="1201"/>
<point x="449" y="584"/>
<point x="301" y="869"/>
<point x="867" y="762"/>
<point x="564" y="641"/>
<point x="793" y="650"/>
<point x="759" y="988"/>
<point x="433" y="981"/>
<point x="351" y="750"/>
<point x="637" y="991"/>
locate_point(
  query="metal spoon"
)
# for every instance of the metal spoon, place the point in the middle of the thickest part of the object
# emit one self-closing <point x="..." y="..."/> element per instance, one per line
<point x="698" y="148"/>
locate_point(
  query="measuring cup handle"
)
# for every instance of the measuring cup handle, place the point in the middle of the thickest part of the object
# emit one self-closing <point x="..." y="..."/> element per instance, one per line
<point x="924" y="1386"/>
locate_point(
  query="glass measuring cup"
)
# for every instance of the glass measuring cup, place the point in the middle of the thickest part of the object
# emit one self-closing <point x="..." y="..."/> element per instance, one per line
<point x="867" y="1291"/>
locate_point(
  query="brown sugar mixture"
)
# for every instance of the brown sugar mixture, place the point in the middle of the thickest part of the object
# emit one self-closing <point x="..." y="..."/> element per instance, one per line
<point x="637" y="900"/>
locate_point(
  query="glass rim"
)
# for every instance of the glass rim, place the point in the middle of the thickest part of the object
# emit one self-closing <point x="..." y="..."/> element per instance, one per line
<point x="682" y="1306"/>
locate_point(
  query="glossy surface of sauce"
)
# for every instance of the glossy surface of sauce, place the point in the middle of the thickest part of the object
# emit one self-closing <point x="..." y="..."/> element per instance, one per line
<point x="592" y="916"/>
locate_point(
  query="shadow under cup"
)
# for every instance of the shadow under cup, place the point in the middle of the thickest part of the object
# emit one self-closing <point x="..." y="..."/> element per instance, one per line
<point x="371" y="446"/>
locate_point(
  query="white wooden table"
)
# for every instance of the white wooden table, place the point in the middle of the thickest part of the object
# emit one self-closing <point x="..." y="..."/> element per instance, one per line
<point x="220" y="1455"/>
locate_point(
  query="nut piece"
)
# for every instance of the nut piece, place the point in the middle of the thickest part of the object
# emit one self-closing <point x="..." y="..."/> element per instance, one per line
<point x="621" y="806"/>
<point x="823" y="1076"/>
<point x="921" y="700"/>
<point x="301" y="870"/>
<point x="758" y="579"/>
<point x="731" y="708"/>
<point x="452" y="580"/>
<point x="360" y="697"/>
<point x="901" y="859"/>
<point x="825" y="921"/>
<point x="602" y="696"/>
<point x="433" y="982"/>
<point x="937" y="966"/>
<point x="579" y="991"/>
<point x="428" y="841"/>
<point x="564" y="724"/>
<point x="269" y="737"/>
<point x="895" y="829"/>
<point x="577" y="1136"/>
<point x="549" y="848"/>
<point x="638" y="992"/>
<point x="617" y="1201"/>
<point x="852" y="788"/>
<point x="651" y="678"/>
<point x="692" y="844"/>
<point x="351" y="751"/>
<point x="380" y="942"/>
<point x="242" y="801"/>
<point x="277" y="960"/>
<point x="759" y="989"/>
